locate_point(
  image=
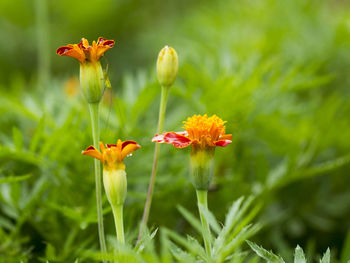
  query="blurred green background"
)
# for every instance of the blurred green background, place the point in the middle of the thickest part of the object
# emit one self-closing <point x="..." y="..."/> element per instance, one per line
<point x="276" y="70"/>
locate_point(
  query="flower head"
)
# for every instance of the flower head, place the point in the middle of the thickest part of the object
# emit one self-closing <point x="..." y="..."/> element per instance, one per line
<point x="203" y="133"/>
<point x="83" y="52"/>
<point x="92" y="77"/>
<point x="200" y="131"/>
<point x="112" y="155"/>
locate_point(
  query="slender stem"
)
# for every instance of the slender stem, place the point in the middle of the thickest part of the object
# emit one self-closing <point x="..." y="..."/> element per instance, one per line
<point x="118" y="221"/>
<point x="162" y="108"/>
<point x="43" y="38"/>
<point x="94" y="114"/>
<point x="202" y="200"/>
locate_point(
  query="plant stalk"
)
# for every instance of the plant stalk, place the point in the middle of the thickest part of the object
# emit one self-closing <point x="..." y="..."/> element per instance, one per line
<point x="94" y="114"/>
<point x="162" y="109"/>
<point x="118" y="221"/>
<point x="203" y="200"/>
<point x="43" y="38"/>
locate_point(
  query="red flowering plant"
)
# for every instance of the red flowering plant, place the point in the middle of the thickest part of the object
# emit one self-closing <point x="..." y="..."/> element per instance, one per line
<point x="203" y="134"/>
<point x="92" y="78"/>
<point x="114" y="176"/>
<point x="93" y="81"/>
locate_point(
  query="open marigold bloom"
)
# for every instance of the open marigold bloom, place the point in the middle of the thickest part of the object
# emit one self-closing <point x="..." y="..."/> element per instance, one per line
<point x="112" y="155"/>
<point x="200" y="131"/>
<point x="203" y="133"/>
<point x="92" y="77"/>
<point x="114" y="175"/>
<point x="83" y="52"/>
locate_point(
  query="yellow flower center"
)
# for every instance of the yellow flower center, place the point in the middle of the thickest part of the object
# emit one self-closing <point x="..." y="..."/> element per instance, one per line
<point x="206" y="130"/>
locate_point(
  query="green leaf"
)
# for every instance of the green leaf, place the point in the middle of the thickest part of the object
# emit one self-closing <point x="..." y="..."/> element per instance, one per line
<point x="17" y="138"/>
<point x="14" y="179"/>
<point x="326" y="257"/>
<point x="37" y="135"/>
<point x="345" y="253"/>
<point x="187" y="243"/>
<point x="328" y="166"/>
<point x="299" y="256"/>
<point x="191" y="219"/>
<point x="263" y="253"/>
<point x="213" y="223"/>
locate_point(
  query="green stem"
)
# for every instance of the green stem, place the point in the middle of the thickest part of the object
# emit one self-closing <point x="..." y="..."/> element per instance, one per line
<point x="43" y="38"/>
<point x="94" y="114"/>
<point x="203" y="200"/>
<point x="162" y="108"/>
<point x="118" y="221"/>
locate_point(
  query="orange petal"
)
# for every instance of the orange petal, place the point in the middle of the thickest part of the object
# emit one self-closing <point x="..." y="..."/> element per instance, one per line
<point x="102" y="46"/>
<point x="71" y="51"/>
<point x="91" y="151"/>
<point x="102" y="146"/>
<point x="226" y="137"/>
<point x="84" y="43"/>
<point x="128" y="147"/>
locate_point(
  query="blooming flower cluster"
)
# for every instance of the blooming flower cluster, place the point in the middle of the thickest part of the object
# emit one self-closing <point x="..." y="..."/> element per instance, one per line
<point x="202" y="133"/>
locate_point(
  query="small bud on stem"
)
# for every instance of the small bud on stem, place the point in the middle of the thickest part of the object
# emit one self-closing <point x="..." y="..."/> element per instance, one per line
<point x="167" y="66"/>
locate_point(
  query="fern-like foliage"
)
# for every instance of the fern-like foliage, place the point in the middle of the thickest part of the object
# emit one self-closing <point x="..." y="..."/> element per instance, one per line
<point x="299" y="256"/>
<point x="226" y="239"/>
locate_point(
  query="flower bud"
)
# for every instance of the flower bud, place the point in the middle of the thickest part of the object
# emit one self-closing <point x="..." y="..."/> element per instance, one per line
<point x="115" y="185"/>
<point x="92" y="81"/>
<point x="167" y="66"/>
<point x="202" y="163"/>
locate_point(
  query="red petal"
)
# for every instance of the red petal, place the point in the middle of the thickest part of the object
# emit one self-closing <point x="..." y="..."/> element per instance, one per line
<point x="111" y="145"/>
<point x="60" y="51"/>
<point x="109" y="43"/>
<point x="177" y="139"/>
<point x="100" y="39"/>
<point x="222" y="143"/>
<point x="158" y="138"/>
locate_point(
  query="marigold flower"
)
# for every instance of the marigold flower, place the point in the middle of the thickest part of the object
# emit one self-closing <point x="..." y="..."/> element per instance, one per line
<point x="83" y="52"/>
<point x="114" y="176"/>
<point x="92" y="77"/>
<point x="203" y="133"/>
<point x="200" y="131"/>
<point x="112" y="155"/>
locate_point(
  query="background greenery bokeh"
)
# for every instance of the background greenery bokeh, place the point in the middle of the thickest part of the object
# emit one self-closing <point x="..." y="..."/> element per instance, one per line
<point x="276" y="70"/>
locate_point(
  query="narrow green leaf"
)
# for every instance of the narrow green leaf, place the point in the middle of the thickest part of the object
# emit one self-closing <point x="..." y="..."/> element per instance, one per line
<point x="326" y="257"/>
<point x="263" y="253"/>
<point x="14" y="179"/>
<point x="17" y="138"/>
<point x="345" y="253"/>
<point x="299" y="256"/>
<point x="195" y="250"/>
<point x="190" y="218"/>
<point x="213" y="223"/>
<point x="328" y="166"/>
<point x="37" y="135"/>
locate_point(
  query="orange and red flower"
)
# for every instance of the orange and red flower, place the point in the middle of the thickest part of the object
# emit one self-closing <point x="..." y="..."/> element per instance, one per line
<point x="112" y="155"/>
<point x="84" y="52"/>
<point x="201" y="132"/>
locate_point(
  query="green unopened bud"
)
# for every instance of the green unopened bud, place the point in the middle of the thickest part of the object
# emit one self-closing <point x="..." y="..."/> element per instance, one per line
<point x="167" y="66"/>
<point x="202" y="163"/>
<point x="115" y="185"/>
<point x="92" y="81"/>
